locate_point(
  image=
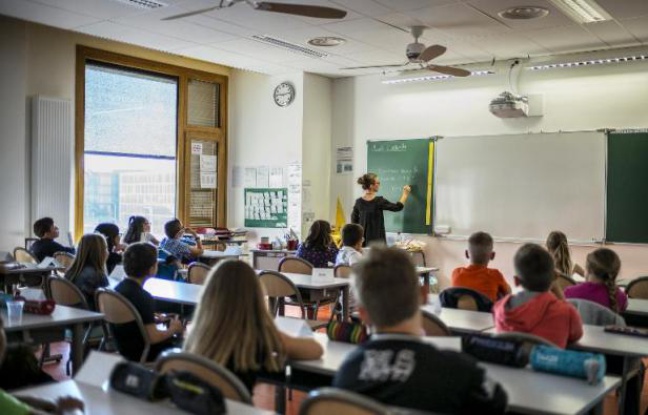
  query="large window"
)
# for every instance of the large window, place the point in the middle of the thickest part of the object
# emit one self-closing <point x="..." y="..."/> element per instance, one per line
<point x="150" y="141"/>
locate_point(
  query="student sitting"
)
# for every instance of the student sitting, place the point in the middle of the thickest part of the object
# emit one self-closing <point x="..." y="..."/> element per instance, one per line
<point x="27" y="405"/>
<point x="535" y="310"/>
<point x="352" y="239"/>
<point x="140" y="262"/>
<point x="111" y="232"/>
<point x="139" y="230"/>
<point x="559" y="249"/>
<point x="88" y="271"/>
<point x="396" y="367"/>
<point x="318" y="248"/>
<point x="47" y="231"/>
<point x="477" y="276"/>
<point x="232" y="326"/>
<point x="602" y="268"/>
<point x="173" y="243"/>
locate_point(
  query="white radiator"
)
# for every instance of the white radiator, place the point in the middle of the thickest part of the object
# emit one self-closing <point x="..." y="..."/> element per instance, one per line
<point x="52" y="162"/>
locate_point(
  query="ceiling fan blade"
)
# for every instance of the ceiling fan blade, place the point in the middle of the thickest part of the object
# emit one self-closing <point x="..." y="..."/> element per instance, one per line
<point x="181" y="15"/>
<point x="377" y="66"/>
<point x="301" y="10"/>
<point x="432" y="52"/>
<point x="449" y="70"/>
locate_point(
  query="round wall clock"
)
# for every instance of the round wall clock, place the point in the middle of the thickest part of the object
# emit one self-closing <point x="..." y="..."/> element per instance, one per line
<point x="284" y="94"/>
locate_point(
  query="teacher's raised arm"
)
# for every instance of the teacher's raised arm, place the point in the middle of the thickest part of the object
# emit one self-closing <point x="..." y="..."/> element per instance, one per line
<point x="368" y="209"/>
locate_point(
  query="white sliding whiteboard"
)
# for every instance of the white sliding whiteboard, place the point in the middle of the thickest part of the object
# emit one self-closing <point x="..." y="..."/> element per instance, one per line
<point x="521" y="187"/>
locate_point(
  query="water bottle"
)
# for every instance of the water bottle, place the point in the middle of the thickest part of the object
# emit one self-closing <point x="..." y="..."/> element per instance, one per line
<point x="589" y="366"/>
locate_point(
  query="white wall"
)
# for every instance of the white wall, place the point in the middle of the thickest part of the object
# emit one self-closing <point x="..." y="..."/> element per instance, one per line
<point x="574" y="99"/>
<point x="14" y="188"/>
<point x="261" y="133"/>
<point x="316" y="141"/>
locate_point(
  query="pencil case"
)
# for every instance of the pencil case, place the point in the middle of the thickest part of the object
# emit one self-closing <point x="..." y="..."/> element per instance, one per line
<point x="589" y="366"/>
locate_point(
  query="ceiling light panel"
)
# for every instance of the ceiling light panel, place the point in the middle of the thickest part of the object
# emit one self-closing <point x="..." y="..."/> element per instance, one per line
<point x="582" y="11"/>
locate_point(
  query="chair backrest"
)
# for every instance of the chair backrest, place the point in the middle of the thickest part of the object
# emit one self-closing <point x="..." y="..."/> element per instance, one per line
<point x="433" y="326"/>
<point x="342" y="271"/>
<point x="467" y="302"/>
<point x="29" y="242"/>
<point x="418" y="258"/>
<point x="118" y="310"/>
<point x="638" y="288"/>
<point x="295" y="265"/>
<point x="277" y="286"/>
<point x="328" y="401"/>
<point x="564" y="281"/>
<point x="24" y="256"/>
<point x="66" y="259"/>
<point x="595" y="314"/>
<point x="197" y="273"/>
<point x="64" y="292"/>
<point x="207" y="370"/>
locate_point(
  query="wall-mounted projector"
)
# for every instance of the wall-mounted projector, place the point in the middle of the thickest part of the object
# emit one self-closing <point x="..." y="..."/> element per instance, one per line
<point x="507" y="105"/>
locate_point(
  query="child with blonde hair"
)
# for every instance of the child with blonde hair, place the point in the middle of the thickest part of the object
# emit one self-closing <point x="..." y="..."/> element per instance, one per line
<point x="558" y="247"/>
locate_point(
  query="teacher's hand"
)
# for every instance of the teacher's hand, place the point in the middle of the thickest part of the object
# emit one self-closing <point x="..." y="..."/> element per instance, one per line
<point x="407" y="189"/>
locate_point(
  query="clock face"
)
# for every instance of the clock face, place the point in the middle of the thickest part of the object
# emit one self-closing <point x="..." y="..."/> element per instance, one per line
<point x="284" y="94"/>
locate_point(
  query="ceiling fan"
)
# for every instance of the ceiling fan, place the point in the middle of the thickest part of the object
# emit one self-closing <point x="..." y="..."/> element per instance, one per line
<point x="418" y="54"/>
<point x="268" y="6"/>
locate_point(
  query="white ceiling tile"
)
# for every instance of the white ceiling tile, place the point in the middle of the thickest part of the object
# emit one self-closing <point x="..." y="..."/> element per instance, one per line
<point x="243" y="15"/>
<point x="235" y="60"/>
<point x="365" y="7"/>
<point x="101" y="9"/>
<point x="507" y="46"/>
<point x="638" y="27"/>
<point x="40" y="13"/>
<point x="612" y="33"/>
<point x="126" y="34"/>
<point x="221" y="25"/>
<point x="459" y="20"/>
<point x="625" y="9"/>
<point x="408" y="5"/>
<point x="553" y="19"/>
<point x="259" y="50"/>
<point x="565" y="39"/>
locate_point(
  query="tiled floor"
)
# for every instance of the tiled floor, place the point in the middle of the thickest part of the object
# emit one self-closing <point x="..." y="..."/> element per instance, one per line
<point x="264" y="393"/>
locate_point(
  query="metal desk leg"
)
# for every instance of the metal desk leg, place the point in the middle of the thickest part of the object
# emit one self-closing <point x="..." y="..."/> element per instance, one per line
<point x="346" y="313"/>
<point x="280" y="399"/>
<point x="624" y="384"/>
<point x="77" y="347"/>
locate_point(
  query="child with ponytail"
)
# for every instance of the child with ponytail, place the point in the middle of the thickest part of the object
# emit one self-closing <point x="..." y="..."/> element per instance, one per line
<point x="602" y="268"/>
<point x="559" y="249"/>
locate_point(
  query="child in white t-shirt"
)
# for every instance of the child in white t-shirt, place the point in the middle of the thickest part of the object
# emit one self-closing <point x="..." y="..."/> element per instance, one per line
<point x="352" y="239"/>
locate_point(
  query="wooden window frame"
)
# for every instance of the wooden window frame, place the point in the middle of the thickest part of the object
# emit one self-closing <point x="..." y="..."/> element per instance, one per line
<point x="184" y="130"/>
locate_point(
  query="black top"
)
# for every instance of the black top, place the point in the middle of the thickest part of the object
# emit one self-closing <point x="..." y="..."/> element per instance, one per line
<point x="113" y="260"/>
<point x="402" y="370"/>
<point x="47" y="247"/>
<point x="128" y="337"/>
<point x="369" y="215"/>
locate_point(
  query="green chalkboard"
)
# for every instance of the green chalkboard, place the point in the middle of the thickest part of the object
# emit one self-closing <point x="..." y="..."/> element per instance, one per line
<point x="401" y="162"/>
<point x="627" y="187"/>
<point x="266" y="208"/>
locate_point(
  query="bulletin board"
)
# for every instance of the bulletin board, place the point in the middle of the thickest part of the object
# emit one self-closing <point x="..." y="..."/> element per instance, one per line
<point x="266" y="208"/>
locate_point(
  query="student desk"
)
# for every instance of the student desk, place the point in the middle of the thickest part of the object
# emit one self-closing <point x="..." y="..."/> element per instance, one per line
<point x="460" y="321"/>
<point x="528" y="392"/>
<point x="8" y="277"/>
<point x="105" y="401"/>
<point x="62" y="318"/>
<point x="173" y="291"/>
<point x="212" y="257"/>
<point x="318" y="289"/>
<point x="269" y="258"/>
<point x="638" y="307"/>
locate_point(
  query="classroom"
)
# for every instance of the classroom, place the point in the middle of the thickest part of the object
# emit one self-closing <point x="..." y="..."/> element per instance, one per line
<point x="289" y="115"/>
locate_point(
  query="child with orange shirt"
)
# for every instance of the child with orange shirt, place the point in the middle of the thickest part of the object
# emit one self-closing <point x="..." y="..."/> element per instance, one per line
<point x="477" y="276"/>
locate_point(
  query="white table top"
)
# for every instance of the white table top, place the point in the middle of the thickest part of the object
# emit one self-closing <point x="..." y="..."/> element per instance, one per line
<point x="637" y="306"/>
<point x="596" y="340"/>
<point x="306" y="281"/>
<point x="61" y="316"/>
<point x="463" y="320"/>
<point x="528" y="391"/>
<point x="218" y="255"/>
<point x="100" y="401"/>
<point x="425" y="270"/>
<point x="173" y="291"/>
<point x="272" y="251"/>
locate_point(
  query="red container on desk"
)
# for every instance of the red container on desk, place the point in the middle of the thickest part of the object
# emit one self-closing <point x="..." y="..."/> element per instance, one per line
<point x="265" y="246"/>
<point x="291" y="244"/>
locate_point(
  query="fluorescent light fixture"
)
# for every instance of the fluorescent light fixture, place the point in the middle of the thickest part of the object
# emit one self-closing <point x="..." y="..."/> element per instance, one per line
<point x="603" y="61"/>
<point x="425" y="78"/>
<point x="582" y="11"/>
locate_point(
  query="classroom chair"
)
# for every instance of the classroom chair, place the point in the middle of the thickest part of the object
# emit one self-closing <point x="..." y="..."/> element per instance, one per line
<point x="207" y="370"/>
<point x="24" y="256"/>
<point x="118" y="310"/>
<point x="197" y="273"/>
<point x="564" y="281"/>
<point x="433" y="326"/>
<point x="342" y="271"/>
<point x="277" y="288"/>
<point x="66" y="259"/>
<point x="326" y="401"/>
<point x="301" y="266"/>
<point x="638" y="288"/>
<point x="64" y="292"/>
<point x="418" y="257"/>
<point x="465" y="299"/>
<point x="595" y="314"/>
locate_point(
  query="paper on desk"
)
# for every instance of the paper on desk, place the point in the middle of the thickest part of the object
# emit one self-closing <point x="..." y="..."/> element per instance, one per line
<point x="293" y="326"/>
<point x="445" y="343"/>
<point x="97" y="368"/>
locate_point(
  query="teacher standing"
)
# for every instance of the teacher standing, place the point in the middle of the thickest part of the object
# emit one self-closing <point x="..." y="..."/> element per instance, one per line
<point x="368" y="209"/>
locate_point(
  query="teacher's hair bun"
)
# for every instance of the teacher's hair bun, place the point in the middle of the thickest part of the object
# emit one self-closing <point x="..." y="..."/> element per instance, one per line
<point x="366" y="180"/>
